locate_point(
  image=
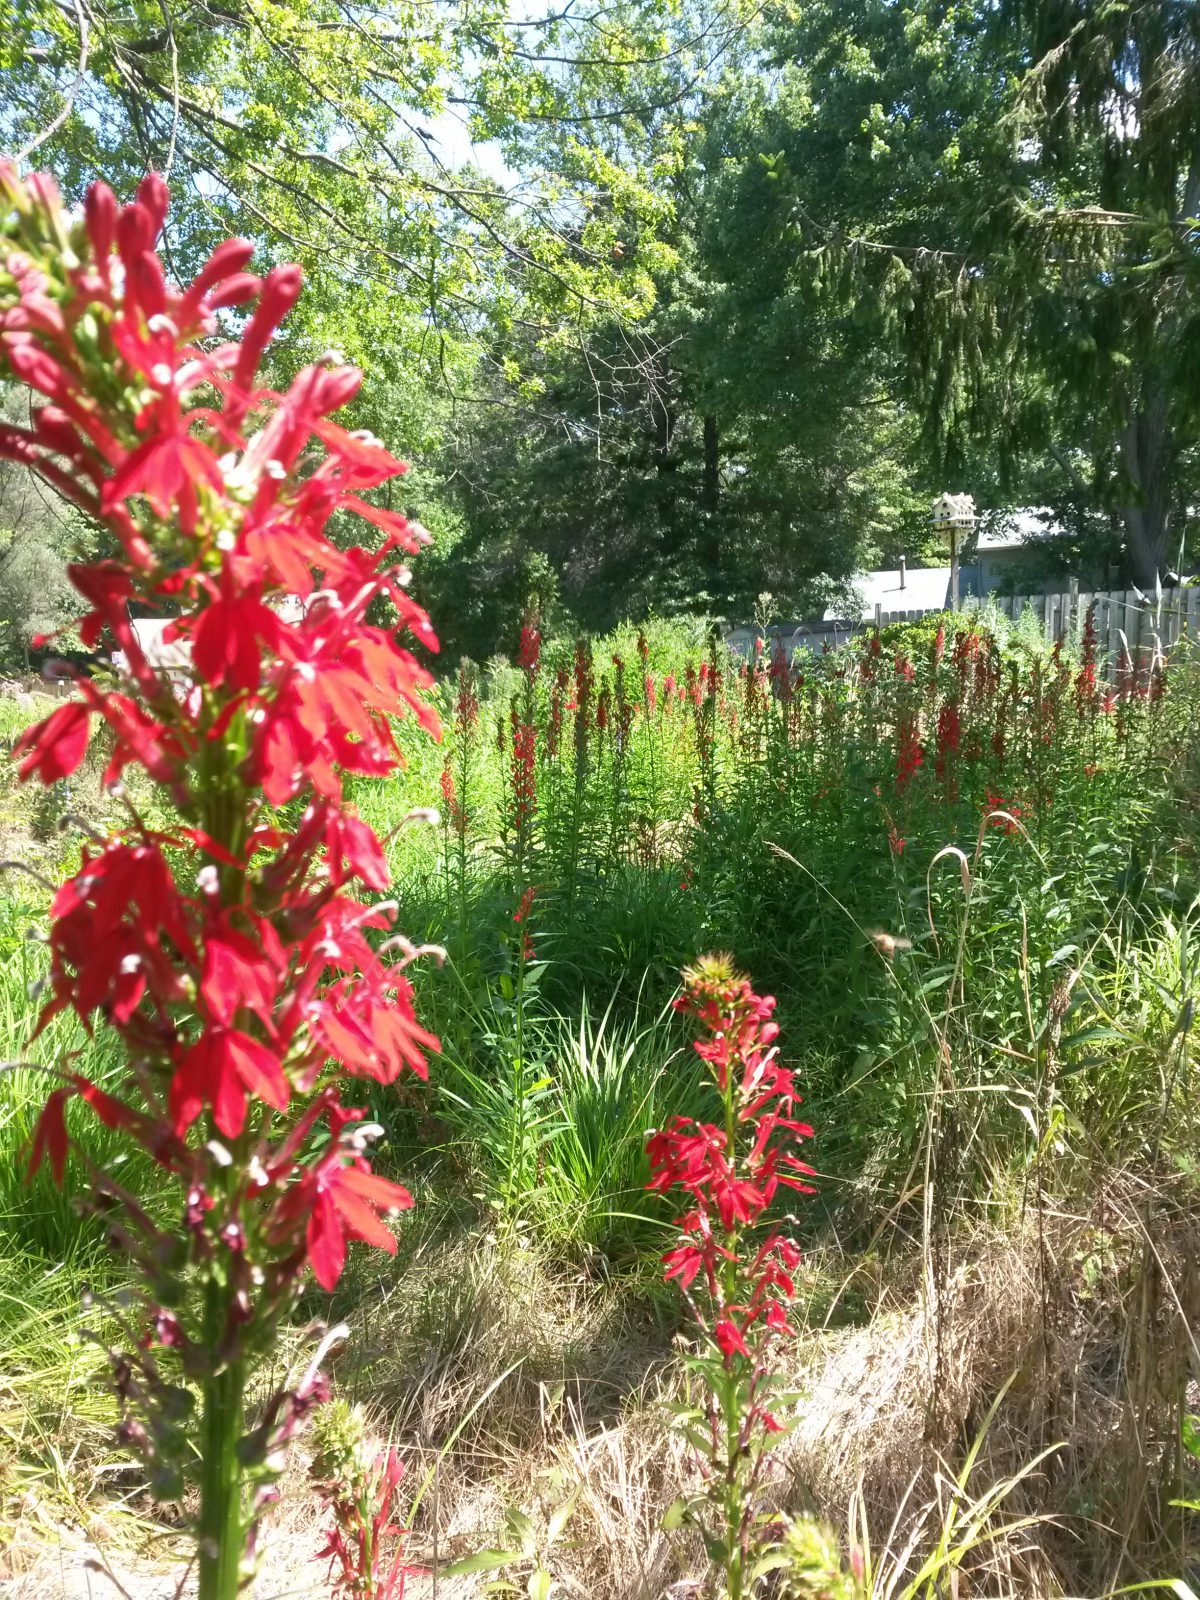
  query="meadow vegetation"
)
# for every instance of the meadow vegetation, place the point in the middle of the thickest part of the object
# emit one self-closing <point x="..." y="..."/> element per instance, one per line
<point x="965" y="862"/>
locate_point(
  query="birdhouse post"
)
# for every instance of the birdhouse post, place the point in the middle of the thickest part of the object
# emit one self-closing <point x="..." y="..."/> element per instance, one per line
<point x="953" y="517"/>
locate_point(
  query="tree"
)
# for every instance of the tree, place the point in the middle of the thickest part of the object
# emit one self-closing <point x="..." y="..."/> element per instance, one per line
<point x="38" y="534"/>
<point x="311" y="127"/>
<point x="1015" y="187"/>
<point x="737" y="439"/>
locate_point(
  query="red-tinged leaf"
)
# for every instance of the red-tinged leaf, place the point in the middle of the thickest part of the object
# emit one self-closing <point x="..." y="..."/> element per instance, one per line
<point x="55" y="747"/>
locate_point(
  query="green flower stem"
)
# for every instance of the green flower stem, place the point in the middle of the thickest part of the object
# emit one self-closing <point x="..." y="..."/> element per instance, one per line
<point x="730" y="1397"/>
<point x="221" y="1529"/>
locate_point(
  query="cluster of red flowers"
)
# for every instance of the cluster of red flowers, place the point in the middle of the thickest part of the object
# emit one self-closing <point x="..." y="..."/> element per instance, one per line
<point x="583" y="674"/>
<point x="529" y="648"/>
<point x="524" y="770"/>
<point x="466" y="701"/>
<point x="1085" y="678"/>
<point x="1005" y="814"/>
<point x="736" y="1270"/>
<point x="868" y="661"/>
<point x="364" y="1546"/>
<point x="949" y="732"/>
<point x="275" y="703"/>
<point x="780" y="672"/>
<point x="730" y="1172"/>
<point x="455" y="814"/>
<point x="229" y="950"/>
<point x="522" y="917"/>
<point x="909" y="754"/>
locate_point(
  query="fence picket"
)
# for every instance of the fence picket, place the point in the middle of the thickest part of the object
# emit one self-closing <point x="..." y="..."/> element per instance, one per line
<point x="1115" y="619"/>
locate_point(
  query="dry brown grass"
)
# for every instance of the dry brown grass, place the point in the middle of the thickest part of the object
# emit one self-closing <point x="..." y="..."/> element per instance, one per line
<point x="505" y="1383"/>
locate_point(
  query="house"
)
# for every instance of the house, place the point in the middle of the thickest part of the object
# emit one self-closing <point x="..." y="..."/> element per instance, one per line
<point x="1002" y="552"/>
<point x="996" y="559"/>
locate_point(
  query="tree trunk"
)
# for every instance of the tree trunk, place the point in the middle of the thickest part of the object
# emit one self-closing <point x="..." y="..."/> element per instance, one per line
<point x="1147" y="452"/>
<point x="663" y="420"/>
<point x="710" y="496"/>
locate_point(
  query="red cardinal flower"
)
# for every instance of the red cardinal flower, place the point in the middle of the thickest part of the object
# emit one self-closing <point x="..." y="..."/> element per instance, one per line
<point x="50" y="1136"/>
<point x="230" y="639"/>
<point x="238" y="974"/>
<point x="739" y="1284"/>
<point x="219" y="1071"/>
<point x="729" y="1338"/>
<point x="349" y="1202"/>
<point x="224" y="955"/>
<point x="55" y="747"/>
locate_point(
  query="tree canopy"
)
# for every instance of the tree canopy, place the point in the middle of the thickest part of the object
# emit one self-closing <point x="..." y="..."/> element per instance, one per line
<point x="723" y="295"/>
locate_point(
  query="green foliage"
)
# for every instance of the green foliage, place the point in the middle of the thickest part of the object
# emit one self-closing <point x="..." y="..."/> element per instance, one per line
<point x="38" y="535"/>
<point x="1045" y="849"/>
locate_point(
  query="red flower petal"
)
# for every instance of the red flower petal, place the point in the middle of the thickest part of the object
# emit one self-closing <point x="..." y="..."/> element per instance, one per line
<point x="50" y="1137"/>
<point x="55" y="747"/>
<point x="729" y="1338"/>
<point x="326" y="1242"/>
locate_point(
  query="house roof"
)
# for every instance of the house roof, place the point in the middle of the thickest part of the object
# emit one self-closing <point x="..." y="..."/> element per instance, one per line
<point x="924" y="589"/>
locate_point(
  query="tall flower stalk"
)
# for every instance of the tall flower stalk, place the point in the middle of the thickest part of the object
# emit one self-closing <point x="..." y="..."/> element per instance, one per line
<point x="229" y="949"/>
<point x="458" y="775"/>
<point x="734" y="1267"/>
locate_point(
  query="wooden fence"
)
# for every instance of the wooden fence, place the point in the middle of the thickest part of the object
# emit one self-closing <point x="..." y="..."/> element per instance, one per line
<point x="1146" y="625"/>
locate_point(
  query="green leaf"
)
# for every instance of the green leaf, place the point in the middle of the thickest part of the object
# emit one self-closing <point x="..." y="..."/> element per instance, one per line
<point x="481" y="1561"/>
<point x="521" y="1527"/>
<point x="538" y="1587"/>
<point x="559" y="1519"/>
<point x="675" y="1516"/>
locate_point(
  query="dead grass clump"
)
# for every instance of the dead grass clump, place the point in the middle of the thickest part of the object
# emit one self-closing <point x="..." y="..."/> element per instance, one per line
<point x="1081" y="1321"/>
<point x="1013" y="1414"/>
